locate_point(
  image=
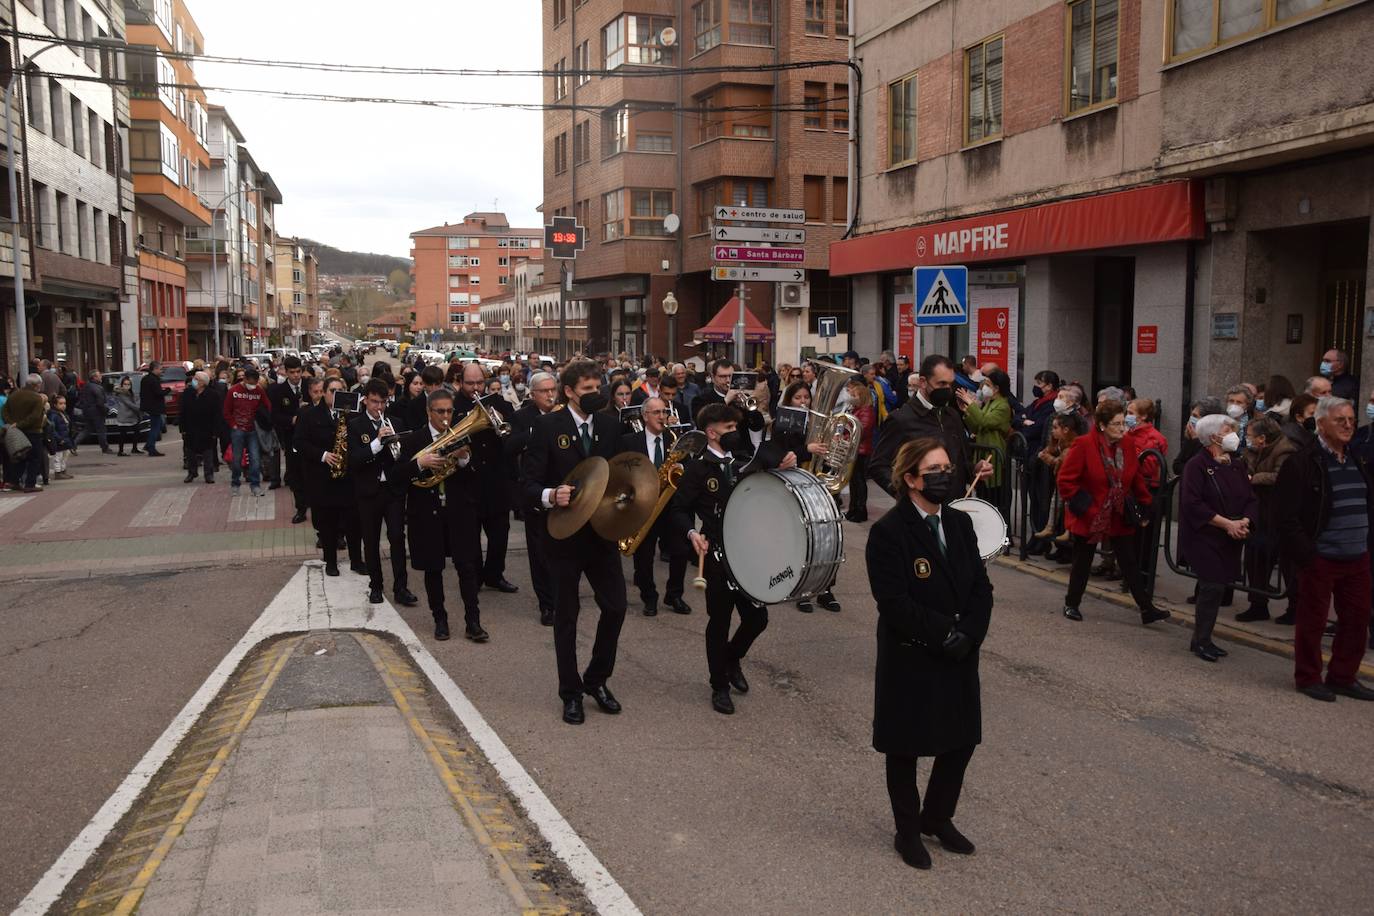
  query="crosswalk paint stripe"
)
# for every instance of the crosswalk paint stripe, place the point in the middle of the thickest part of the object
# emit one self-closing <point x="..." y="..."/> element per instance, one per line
<point x="10" y="503"/>
<point x="248" y="508"/>
<point x="73" y="513"/>
<point x="165" y="507"/>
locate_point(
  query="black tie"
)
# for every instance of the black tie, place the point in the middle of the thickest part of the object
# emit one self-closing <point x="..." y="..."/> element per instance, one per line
<point x="658" y="451"/>
<point x="587" y="439"/>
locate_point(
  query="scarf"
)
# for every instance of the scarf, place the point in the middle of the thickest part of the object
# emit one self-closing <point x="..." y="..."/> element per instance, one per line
<point x="1113" y="458"/>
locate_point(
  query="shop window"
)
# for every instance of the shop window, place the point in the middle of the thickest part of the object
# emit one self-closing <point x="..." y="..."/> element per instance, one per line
<point x="839" y="200"/>
<point x="983" y="78"/>
<point x="1093" y="50"/>
<point x="813" y="188"/>
<point x="901" y="121"/>
<point x="815" y="16"/>
<point x="632" y="39"/>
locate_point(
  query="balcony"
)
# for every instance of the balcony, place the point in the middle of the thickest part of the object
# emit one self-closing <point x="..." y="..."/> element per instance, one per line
<point x="180" y="204"/>
<point x="205" y="247"/>
<point x="229" y="303"/>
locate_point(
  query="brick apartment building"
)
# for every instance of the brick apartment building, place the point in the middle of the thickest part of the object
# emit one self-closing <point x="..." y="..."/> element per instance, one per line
<point x="1173" y="195"/>
<point x="457" y="265"/>
<point x="626" y="150"/>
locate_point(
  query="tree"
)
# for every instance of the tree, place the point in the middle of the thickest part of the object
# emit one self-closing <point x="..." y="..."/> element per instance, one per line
<point x="399" y="280"/>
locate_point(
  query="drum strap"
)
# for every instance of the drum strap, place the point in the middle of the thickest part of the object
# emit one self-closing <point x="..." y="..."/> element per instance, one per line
<point x="934" y="522"/>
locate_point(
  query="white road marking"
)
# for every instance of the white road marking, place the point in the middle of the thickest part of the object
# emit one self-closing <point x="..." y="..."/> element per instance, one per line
<point x="73" y="513"/>
<point x="312" y="601"/>
<point x="250" y="508"/>
<point x="10" y="503"/>
<point x="165" y="507"/>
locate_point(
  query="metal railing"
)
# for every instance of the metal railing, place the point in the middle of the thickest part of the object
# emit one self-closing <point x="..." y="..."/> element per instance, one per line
<point x="1166" y="529"/>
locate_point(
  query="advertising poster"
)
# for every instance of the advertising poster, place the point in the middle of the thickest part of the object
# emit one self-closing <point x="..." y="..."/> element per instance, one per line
<point x="992" y="327"/>
<point x="906" y="328"/>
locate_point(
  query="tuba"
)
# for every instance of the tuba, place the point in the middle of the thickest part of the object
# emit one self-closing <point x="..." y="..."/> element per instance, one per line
<point x="688" y="445"/>
<point x="459" y="436"/>
<point x="838" y="430"/>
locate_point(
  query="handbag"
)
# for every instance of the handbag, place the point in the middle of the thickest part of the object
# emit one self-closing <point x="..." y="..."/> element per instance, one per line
<point x="17" y="444"/>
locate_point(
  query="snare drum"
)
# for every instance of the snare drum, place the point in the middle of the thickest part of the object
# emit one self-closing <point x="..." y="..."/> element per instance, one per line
<point x="784" y="534"/>
<point x="988" y="526"/>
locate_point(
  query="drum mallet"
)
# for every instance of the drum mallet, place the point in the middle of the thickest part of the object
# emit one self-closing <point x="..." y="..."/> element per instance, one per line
<point x="700" y="581"/>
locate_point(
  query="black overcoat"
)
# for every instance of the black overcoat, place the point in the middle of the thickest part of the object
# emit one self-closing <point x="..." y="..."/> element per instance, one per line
<point x="438" y="524"/>
<point x="924" y="703"/>
<point x="315" y="435"/>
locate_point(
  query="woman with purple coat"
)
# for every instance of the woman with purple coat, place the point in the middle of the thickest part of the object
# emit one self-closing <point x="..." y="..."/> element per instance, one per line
<point x="1218" y="509"/>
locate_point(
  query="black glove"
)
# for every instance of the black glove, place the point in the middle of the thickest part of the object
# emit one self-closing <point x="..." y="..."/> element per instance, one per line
<point x="956" y="646"/>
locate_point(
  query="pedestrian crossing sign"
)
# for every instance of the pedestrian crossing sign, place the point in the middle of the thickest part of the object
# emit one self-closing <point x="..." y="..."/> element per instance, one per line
<point x="941" y="295"/>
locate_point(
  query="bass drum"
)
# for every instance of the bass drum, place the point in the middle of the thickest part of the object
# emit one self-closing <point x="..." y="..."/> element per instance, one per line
<point x="988" y="526"/>
<point x="783" y="536"/>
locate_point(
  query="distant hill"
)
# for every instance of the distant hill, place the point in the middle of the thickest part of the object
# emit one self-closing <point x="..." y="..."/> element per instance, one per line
<point x="334" y="261"/>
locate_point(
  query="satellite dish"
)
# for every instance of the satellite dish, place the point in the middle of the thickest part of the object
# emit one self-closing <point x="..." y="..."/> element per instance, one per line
<point x="668" y="37"/>
<point x="671" y="223"/>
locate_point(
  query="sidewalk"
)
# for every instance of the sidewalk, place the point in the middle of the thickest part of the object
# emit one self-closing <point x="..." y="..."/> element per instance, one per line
<point x="324" y="780"/>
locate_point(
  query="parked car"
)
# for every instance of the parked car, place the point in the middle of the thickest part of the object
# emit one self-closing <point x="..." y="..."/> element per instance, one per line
<point x="81" y="432"/>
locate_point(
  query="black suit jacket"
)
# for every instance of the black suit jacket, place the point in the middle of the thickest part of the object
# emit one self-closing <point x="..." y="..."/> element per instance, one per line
<point x="555" y="449"/>
<point x="284" y="405"/>
<point x="489" y="464"/>
<point x="314" y="435"/>
<point x="753" y="419"/>
<point x="432" y="513"/>
<point x="366" y="468"/>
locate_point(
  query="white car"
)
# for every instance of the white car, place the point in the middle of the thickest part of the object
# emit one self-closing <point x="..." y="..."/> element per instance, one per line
<point x="428" y="357"/>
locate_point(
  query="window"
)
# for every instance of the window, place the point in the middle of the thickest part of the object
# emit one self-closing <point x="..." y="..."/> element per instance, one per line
<point x="56" y="106"/>
<point x="560" y="11"/>
<point x="78" y="123"/>
<point x="87" y="33"/>
<point x="582" y="62"/>
<point x="457" y="298"/>
<point x="751" y="23"/>
<point x="503" y="262"/>
<point x="474" y="280"/>
<point x="60" y="218"/>
<point x="841" y="18"/>
<point x="582" y="142"/>
<point x="615" y="131"/>
<point x="166" y="79"/>
<point x="96" y="138"/>
<point x="741" y="192"/>
<point x="633" y="39"/>
<point x="33" y="100"/>
<point x="644" y="130"/>
<point x="171" y="153"/>
<point x="457" y="241"/>
<point x="72" y="23"/>
<point x="83" y="247"/>
<point x="647" y="210"/>
<point x="1200" y="25"/>
<point x="815" y="16"/>
<point x="706" y="25"/>
<point x="612" y="216"/>
<point x="458" y="317"/>
<point x="560" y="79"/>
<point x="42" y="211"/>
<point x="502" y="280"/>
<point x="582" y="212"/>
<point x="839" y="107"/>
<point x="1092" y="53"/>
<point x="560" y="154"/>
<point x="813" y="96"/>
<point x="983" y="77"/>
<point x="901" y="121"/>
<point x="813" y="196"/>
<point x="839" y="200"/>
<point x="647" y="141"/>
<point x="736" y="111"/>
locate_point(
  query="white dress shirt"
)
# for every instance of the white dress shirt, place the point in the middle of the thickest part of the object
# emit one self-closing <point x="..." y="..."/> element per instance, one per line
<point x="582" y="421"/>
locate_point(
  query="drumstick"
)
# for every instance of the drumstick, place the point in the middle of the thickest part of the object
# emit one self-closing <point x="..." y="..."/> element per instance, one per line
<point x="969" y="491"/>
<point x="700" y="581"/>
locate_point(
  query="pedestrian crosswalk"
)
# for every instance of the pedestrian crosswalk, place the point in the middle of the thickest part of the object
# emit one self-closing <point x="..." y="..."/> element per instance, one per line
<point x="10" y="503"/>
<point x="249" y="508"/>
<point x="165" y="508"/>
<point x="74" y="513"/>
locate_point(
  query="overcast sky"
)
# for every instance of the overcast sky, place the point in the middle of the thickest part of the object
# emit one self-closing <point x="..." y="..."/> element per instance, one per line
<point x="364" y="176"/>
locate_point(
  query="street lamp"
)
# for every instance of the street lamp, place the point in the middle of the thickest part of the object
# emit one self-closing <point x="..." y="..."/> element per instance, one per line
<point x="670" y="309"/>
<point x="214" y="278"/>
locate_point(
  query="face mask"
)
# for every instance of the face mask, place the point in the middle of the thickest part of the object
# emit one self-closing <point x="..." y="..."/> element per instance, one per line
<point x="1192" y="422"/>
<point x="194" y="384"/>
<point x="911" y="392"/>
<point x="1369" y="411"/>
<point x="941" y="398"/>
<point x="1259" y="405"/>
<point x="937" y="486"/>
<point x="1235" y="411"/>
<point x="591" y="403"/>
<point x="1325" y="367"/>
<point x="1061" y="405"/>
<point x="975" y="376"/>
<point x="1037" y="392"/>
<point x="732" y="441"/>
<point x="1310" y="424"/>
<point x="1230" y="442"/>
<point x="1132" y="421"/>
<point x="985" y="393"/>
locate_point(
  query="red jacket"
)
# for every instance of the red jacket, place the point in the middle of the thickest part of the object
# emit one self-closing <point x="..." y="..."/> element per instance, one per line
<point x="1146" y="436"/>
<point x="1082" y="470"/>
<point x="241" y="406"/>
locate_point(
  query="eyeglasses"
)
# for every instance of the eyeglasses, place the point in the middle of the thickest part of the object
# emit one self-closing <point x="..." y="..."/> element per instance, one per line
<point x="937" y="469"/>
<point x="1342" y="421"/>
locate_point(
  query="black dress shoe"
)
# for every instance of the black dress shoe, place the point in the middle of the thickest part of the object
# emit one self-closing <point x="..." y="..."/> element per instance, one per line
<point x="721" y="702"/>
<point x="475" y="633"/>
<point x="950" y="838"/>
<point x="190" y="478"/>
<point x="331" y="570"/>
<point x="604" y="698"/>
<point x="1072" y="612"/>
<point x="359" y="568"/>
<point x="405" y="598"/>
<point x="912" y="851"/>
<point x="374" y="596"/>
<point x="827" y="601"/>
<point x="274" y="486"/>
<point x="298" y="518"/>
<point x="737" y="680"/>
<point x="1152" y="615"/>
<point x="1253" y="614"/>
<point x="1354" y="690"/>
<point x="1330" y="629"/>
<point x="1286" y="619"/>
<point x="1217" y="650"/>
<point x="501" y="585"/>
<point x="678" y="606"/>
<point x="1319" y="692"/>
<point x="1203" y="652"/>
<point x="441" y="630"/>
<point x="572" y="711"/>
<point x="545" y="617"/>
<point x="805" y="607"/>
<point x="651" y="609"/>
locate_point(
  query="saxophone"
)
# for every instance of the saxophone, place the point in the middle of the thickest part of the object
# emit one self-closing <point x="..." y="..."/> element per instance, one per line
<point x="340" y="449"/>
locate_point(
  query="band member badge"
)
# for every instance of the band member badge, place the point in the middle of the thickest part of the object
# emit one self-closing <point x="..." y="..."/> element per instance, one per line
<point x="922" y="568"/>
<point x="366" y="438"/>
<point x="564" y="442"/>
<point x="286" y="402"/>
<point x="712" y="484"/>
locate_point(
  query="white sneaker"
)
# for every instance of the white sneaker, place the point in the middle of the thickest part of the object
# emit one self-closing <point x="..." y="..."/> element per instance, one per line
<point x="235" y="489"/>
<point x="256" y="491"/>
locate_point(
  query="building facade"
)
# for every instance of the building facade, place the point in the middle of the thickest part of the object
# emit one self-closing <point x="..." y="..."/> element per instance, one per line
<point x="1128" y="216"/>
<point x="642" y="160"/>
<point x="457" y="265"/>
<point x="215" y="282"/>
<point x="298" y="291"/>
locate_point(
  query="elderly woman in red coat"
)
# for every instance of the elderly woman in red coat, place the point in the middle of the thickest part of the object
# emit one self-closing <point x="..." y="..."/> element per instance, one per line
<point x="1098" y="480"/>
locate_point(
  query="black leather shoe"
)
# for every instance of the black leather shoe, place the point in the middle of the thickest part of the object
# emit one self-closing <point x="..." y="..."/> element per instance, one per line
<point x="805" y="607"/>
<point x="737" y="680"/>
<point x="441" y="630"/>
<point x="678" y="606"/>
<point x="359" y="568"/>
<point x="1153" y="615"/>
<point x="190" y="478"/>
<point x="1072" y="612"/>
<point x="501" y="585"/>
<point x="827" y="601"/>
<point x="651" y="609"/>
<point x="572" y="711"/>
<point x="274" y="486"/>
<point x="721" y="702"/>
<point x="545" y="617"/>
<point x="1319" y="692"/>
<point x="1250" y="615"/>
<point x="950" y="838"/>
<point x="912" y="851"/>
<point x="1286" y="619"/>
<point x="604" y="698"/>
<point x="475" y="633"/>
<point x="405" y="598"/>
<point x="298" y="518"/>
<point x="331" y="570"/>
<point x="319" y="544"/>
<point x="1203" y="652"/>
<point x="1355" y="690"/>
<point x="1216" y="650"/>
<point x="374" y="596"/>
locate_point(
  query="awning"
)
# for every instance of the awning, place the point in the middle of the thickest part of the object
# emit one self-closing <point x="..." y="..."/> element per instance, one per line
<point x="1139" y="216"/>
<point x="722" y="327"/>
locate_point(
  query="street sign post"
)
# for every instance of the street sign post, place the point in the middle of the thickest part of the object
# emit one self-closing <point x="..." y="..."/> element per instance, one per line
<point x="759" y="214"/>
<point x="941" y="295"/>
<point x="765" y="255"/>
<point x="751" y="234"/>
<point x="758" y="274"/>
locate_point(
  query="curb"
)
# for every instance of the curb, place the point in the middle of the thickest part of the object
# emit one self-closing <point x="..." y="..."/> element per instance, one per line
<point x="1180" y="616"/>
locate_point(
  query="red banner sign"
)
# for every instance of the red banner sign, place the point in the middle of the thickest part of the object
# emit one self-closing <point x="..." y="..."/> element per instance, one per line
<point x="1147" y="338"/>
<point x="1139" y="216"/>
<point x="906" y="330"/>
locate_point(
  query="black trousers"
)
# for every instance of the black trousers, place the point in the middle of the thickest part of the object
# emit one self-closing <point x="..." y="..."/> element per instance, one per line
<point x="293" y="478"/>
<point x="1124" y="549"/>
<point x="331" y="522"/>
<point x="198" y="461"/>
<point x="1205" y="612"/>
<point x="460" y="544"/>
<point x="644" y="564"/>
<point x="494" y="521"/>
<point x="536" y="545"/>
<point x="586" y="554"/>
<point x="372" y="512"/>
<point x="942" y="790"/>
<point x="724" y="651"/>
<point x="858" y="487"/>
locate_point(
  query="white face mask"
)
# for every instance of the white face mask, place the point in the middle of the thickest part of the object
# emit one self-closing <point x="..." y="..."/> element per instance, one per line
<point x="1060" y="405"/>
<point x="1230" y="442"/>
<point x="1235" y="411"/>
<point x="975" y="376"/>
<point x="985" y="393"/>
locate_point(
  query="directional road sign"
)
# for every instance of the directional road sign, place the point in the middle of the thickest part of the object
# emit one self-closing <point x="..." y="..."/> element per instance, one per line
<point x="827" y="326"/>
<point x="758" y="274"/>
<point x="941" y="295"/>
<point x="759" y="255"/>
<point x="750" y="234"/>
<point x="759" y="214"/>
<point x="564" y="238"/>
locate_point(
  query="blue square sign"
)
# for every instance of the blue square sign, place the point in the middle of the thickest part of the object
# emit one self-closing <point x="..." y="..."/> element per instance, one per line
<point x="941" y="295"/>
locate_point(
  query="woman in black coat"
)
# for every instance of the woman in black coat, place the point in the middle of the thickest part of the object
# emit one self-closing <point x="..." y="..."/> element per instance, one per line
<point x="934" y="602"/>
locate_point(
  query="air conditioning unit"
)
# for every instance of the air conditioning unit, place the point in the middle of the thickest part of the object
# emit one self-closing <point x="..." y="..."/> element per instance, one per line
<point x="794" y="296"/>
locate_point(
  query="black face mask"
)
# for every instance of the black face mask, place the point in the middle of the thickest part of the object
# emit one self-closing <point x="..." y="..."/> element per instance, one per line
<point x="938" y="486"/>
<point x="1310" y="424"/>
<point x="732" y="441"/>
<point x="940" y="398"/>
<point x="1037" y="392"/>
<point x="591" y="403"/>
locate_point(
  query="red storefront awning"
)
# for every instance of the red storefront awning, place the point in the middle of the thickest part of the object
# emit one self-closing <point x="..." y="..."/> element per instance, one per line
<point x="722" y="327"/>
<point x="1139" y="216"/>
